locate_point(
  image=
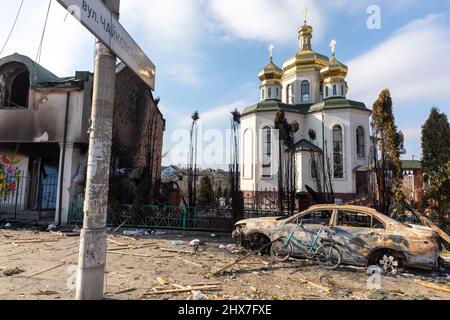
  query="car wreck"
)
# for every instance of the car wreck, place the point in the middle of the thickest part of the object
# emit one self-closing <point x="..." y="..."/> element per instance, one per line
<point x="364" y="236"/>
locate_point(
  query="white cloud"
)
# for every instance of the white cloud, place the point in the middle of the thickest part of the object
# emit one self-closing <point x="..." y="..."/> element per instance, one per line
<point x="172" y="31"/>
<point x="412" y="63"/>
<point x="64" y="43"/>
<point x="266" y="20"/>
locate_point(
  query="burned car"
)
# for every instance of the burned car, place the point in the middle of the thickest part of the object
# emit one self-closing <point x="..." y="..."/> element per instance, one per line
<point x="363" y="235"/>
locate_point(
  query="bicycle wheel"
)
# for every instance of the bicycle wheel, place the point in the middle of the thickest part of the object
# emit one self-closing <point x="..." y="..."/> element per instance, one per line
<point x="328" y="256"/>
<point x="281" y="251"/>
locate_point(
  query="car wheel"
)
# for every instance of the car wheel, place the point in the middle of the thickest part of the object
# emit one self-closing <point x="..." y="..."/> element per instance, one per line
<point x="391" y="264"/>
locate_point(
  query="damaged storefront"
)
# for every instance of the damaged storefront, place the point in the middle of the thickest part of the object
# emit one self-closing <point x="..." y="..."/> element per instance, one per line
<point x="44" y="124"/>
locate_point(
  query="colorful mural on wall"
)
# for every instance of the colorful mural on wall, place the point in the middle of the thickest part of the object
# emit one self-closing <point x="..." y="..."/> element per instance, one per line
<point x="9" y="173"/>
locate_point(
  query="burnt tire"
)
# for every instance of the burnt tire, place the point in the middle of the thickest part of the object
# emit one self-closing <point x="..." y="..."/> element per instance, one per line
<point x="328" y="256"/>
<point x="257" y="241"/>
<point x="281" y="251"/>
<point x="390" y="262"/>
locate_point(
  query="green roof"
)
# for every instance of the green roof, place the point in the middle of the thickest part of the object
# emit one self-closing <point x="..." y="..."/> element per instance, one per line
<point x="328" y="104"/>
<point x="304" y="145"/>
<point x="38" y="73"/>
<point x="411" y="164"/>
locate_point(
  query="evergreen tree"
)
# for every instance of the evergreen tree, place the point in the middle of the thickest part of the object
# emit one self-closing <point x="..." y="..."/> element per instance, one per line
<point x="435" y="142"/>
<point x="436" y="164"/>
<point x="206" y="192"/>
<point x="386" y="158"/>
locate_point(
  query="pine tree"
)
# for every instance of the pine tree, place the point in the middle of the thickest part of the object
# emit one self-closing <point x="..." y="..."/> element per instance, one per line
<point x="206" y="192"/>
<point x="436" y="164"/>
<point x="386" y="159"/>
<point x="435" y="142"/>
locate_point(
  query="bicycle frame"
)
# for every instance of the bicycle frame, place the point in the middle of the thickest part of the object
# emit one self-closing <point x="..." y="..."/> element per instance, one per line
<point x="299" y="244"/>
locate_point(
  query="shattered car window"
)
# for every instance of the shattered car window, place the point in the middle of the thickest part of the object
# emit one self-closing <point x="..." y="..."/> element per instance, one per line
<point x="317" y="217"/>
<point x="358" y="219"/>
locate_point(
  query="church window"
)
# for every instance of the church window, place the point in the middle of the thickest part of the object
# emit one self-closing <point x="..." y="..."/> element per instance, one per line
<point x="306" y="97"/>
<point x="338" y="152"/>
<point x="342" y="90"/>
<point x="321" y="90"/>
<point x="334" y="90"/>
<point x="290" y="94"/>
<point x="360" y="142"/>
<point x="267" y="152"/>
<point x="326" y="92"/>
<point x="247" y="166"/>
<point x="314" y="169"/>
<point x="263" y="94"/>
<point x="277" y="92"/>
<point x="270" y="93"/>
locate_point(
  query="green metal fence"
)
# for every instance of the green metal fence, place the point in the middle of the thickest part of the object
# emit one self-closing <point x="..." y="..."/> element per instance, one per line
<point x="164" y="217"/>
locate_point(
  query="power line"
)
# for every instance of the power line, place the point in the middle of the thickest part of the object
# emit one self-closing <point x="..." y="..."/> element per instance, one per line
<point x="38" y="55"/>
<point x="12" y="28"/>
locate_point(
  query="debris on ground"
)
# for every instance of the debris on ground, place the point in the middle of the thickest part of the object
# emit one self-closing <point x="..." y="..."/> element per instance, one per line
<point x="431" y="285"/>
<point x="177" y="243"/>
<point x="52" y="227"/>
<point x="140" y="268"/>
<point x="135" y="233"/>
<point x="13" y="272"/>
<point x="198" y="295"/>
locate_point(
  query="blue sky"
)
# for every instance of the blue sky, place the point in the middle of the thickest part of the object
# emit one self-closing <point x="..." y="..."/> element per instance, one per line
<point x="208" y="52"/>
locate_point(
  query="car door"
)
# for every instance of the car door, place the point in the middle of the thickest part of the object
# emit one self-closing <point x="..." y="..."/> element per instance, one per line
<point x="306" y="228"/>
<point x="356" y="233"/>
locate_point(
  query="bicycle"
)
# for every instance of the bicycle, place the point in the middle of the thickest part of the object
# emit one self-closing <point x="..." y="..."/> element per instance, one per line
<point x="326" y="254"/>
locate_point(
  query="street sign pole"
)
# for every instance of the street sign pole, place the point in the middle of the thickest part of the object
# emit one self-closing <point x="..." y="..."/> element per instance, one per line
<point x="92" y="258"/>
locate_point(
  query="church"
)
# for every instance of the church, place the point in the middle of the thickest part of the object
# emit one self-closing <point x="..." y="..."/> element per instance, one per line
<point x="333" y="135"/>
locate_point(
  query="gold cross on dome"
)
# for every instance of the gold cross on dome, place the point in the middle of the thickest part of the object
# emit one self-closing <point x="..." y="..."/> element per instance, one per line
<point x="333" y="44"/>
<point x="271" y="47"/>
<point x="305" y="14"/>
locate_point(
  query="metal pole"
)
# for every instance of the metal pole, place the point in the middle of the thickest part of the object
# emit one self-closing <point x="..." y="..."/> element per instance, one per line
<point x="92" y="259"/>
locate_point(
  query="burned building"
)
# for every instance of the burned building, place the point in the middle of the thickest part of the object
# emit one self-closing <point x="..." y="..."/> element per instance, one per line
<point x="44" y="122"/>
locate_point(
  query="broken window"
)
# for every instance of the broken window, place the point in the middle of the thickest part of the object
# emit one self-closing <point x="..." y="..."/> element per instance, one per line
<point x="14" y="85"/>
<point x="358" y="220"/>
<point x="317" y="217"/>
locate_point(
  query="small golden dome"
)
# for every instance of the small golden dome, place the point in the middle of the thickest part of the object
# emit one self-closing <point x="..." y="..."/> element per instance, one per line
<point x="335" y="71"/>
<point x="271" y="74"/>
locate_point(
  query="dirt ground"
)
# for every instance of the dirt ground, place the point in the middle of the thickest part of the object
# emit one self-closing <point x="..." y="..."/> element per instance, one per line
<point x="41" y="266"/>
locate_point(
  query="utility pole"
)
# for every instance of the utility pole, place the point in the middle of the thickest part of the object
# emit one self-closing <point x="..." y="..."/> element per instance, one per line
<point x="92" y="259"/>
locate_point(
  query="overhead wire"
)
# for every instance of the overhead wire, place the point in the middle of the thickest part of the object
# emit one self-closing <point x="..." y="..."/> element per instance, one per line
<point x="13" y="27"/>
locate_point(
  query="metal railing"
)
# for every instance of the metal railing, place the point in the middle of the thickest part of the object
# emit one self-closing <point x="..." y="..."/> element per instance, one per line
<point x="30" y="199"/>
<point x="169" y="217"/>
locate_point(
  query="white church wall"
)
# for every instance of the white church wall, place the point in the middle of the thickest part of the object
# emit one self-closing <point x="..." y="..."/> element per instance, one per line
<point x="296" y="80"/>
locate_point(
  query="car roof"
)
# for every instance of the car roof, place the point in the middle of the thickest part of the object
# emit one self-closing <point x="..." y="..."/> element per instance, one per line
<point x="354" y="208"/>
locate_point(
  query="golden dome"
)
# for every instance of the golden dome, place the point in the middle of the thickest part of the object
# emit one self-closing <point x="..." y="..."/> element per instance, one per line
<point x="271" y="74"/>
<point x="306" y="59"/>
<point x="335" y="71"/>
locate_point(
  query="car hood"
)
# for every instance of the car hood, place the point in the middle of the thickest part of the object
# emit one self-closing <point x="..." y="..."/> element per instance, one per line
<point x="260" y="222"/>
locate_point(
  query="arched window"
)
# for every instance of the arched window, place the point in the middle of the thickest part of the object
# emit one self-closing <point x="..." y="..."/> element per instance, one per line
<point x="278" y="93"/>
<point x="334" y="90"/>
<point x="270" y="93"/>
<point x="360" y="142"/>
<point x="267" y="152"/>
<point x="247" y="147"/>
<point x="321" y="91"/>
<point x="314" y="169"/>
<point x="338" y="152"/>
<point x="14" y="85"/>
<point x="290" y="94"/>
<point x="306" y="96"/>
<point x="342" y="90"/>
<point x="263" y="94"/>
<point x="327" y="91"/>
